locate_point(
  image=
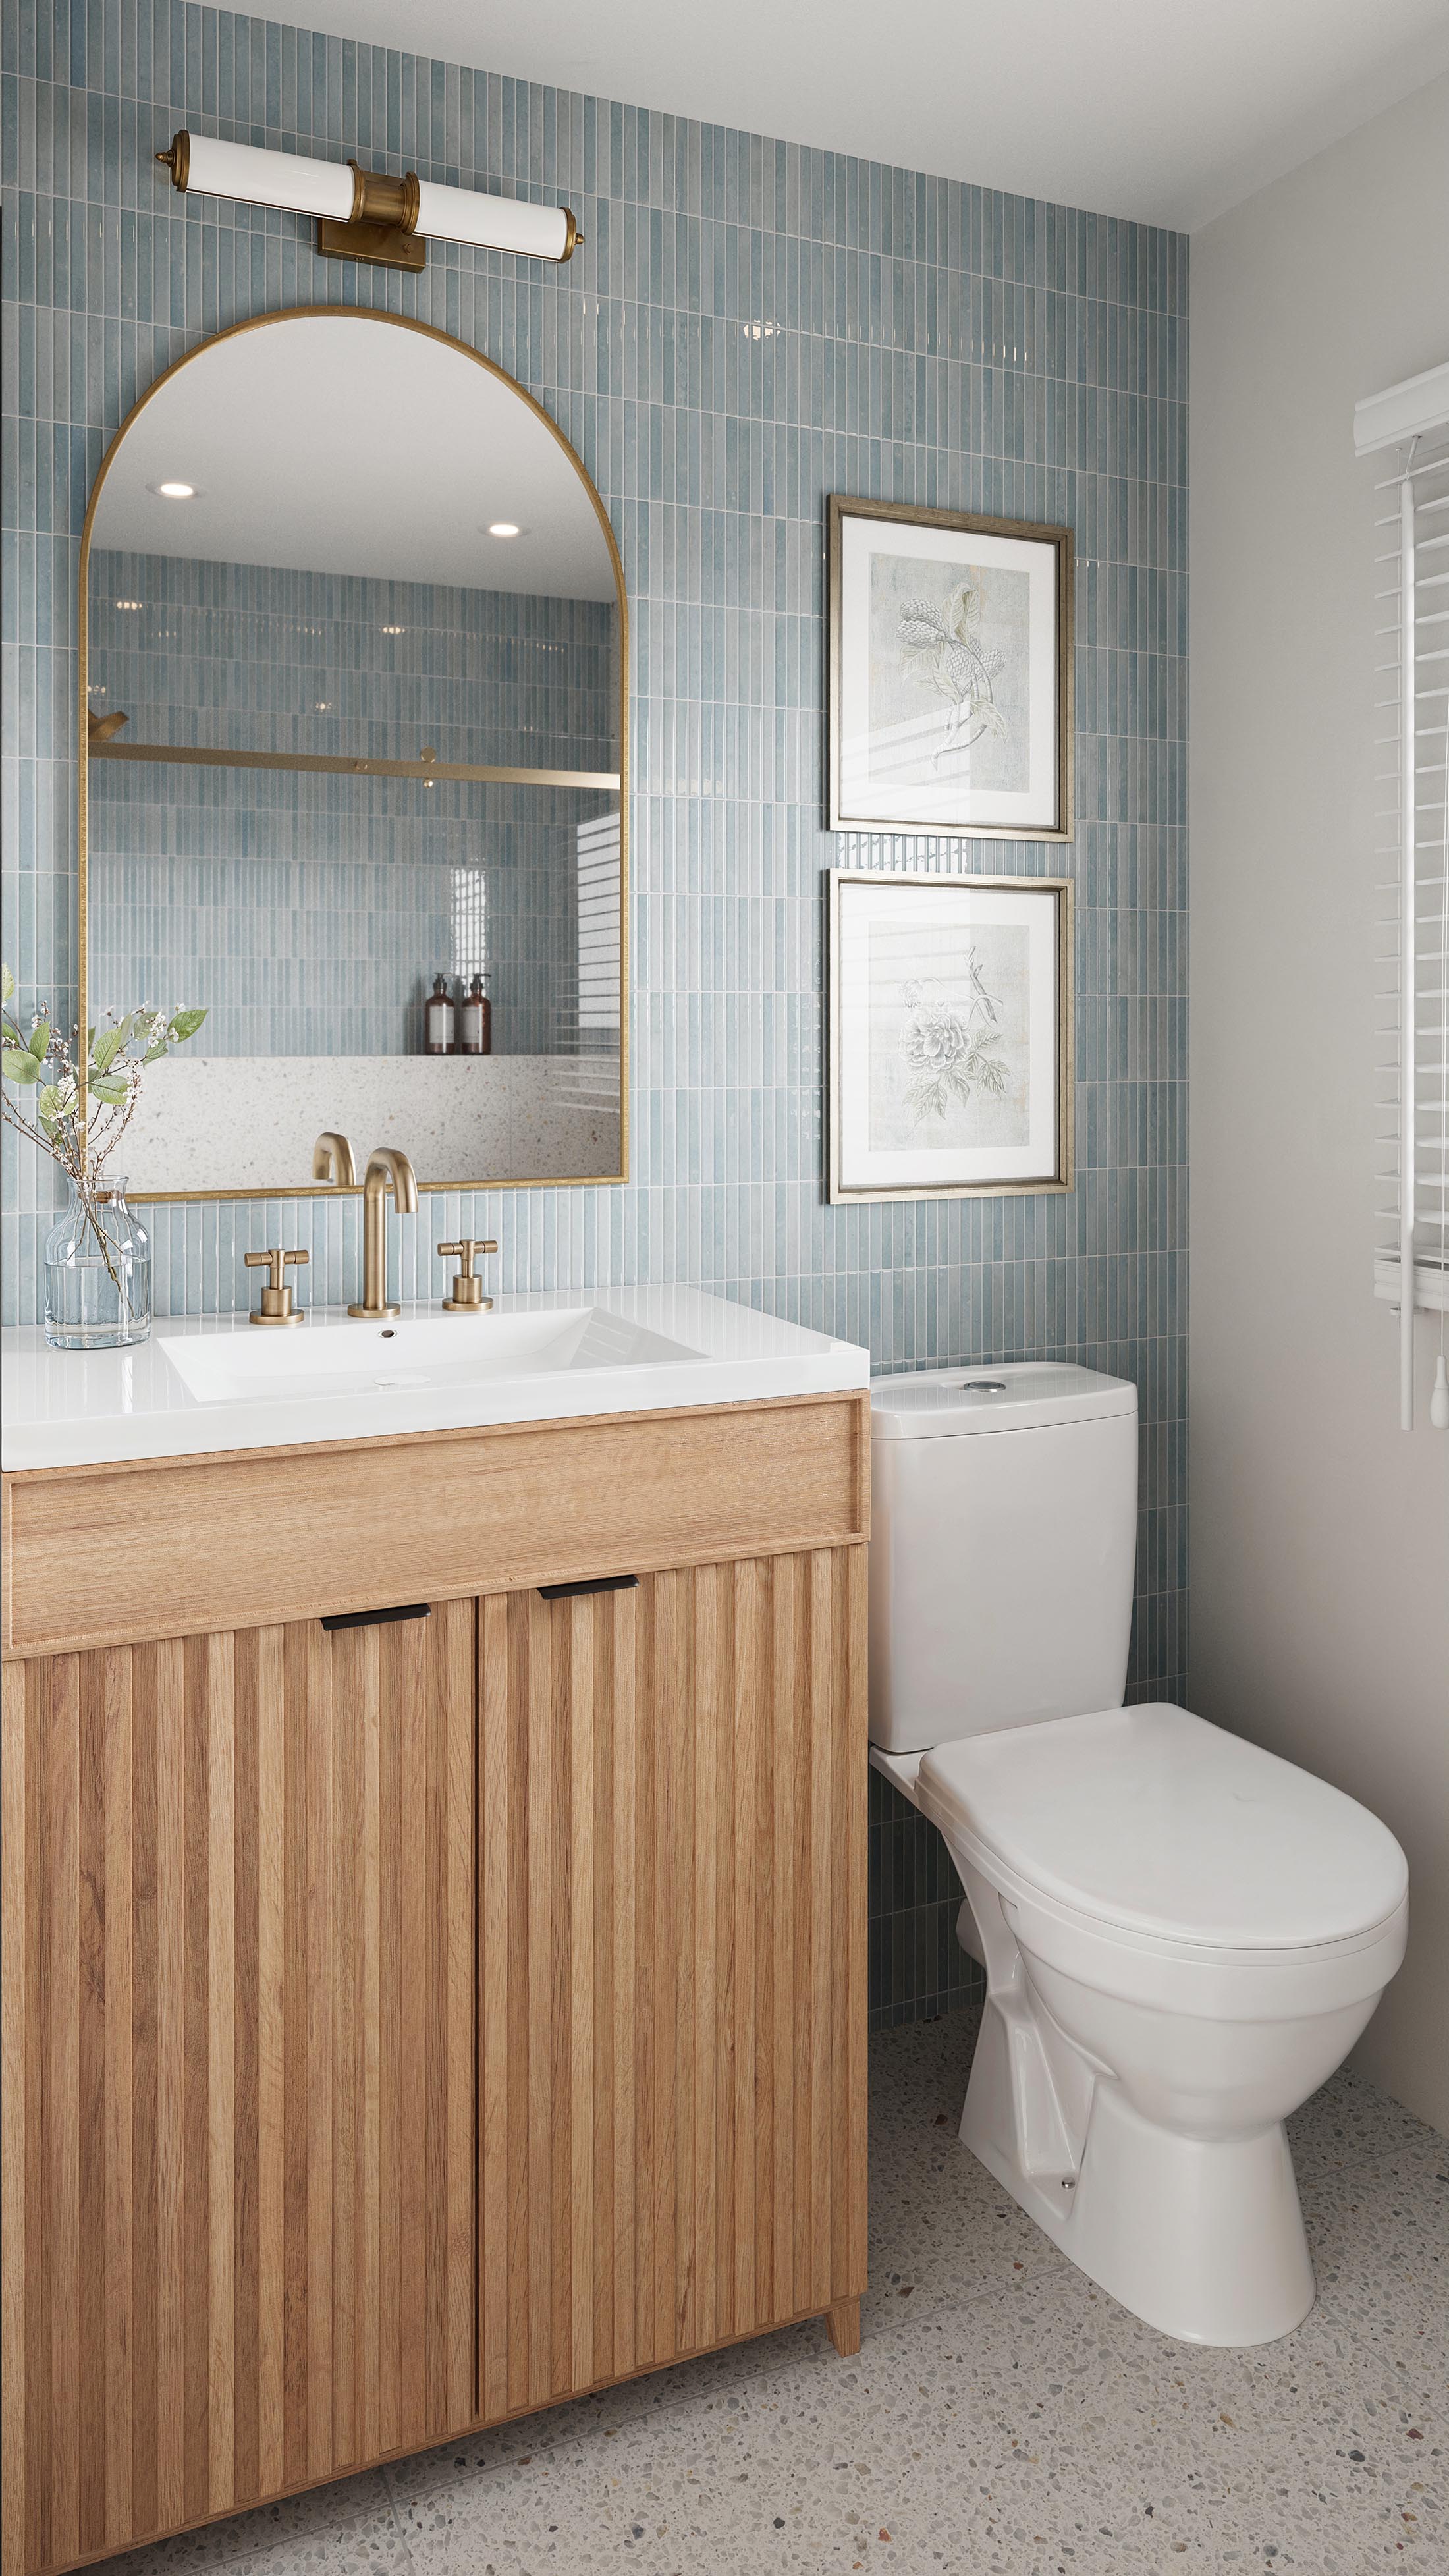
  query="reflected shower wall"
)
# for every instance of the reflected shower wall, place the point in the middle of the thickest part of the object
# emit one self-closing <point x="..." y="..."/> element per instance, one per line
<point x="310" y="913"/>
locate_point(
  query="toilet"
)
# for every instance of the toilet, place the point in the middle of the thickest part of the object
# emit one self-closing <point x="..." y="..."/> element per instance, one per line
<point x="1182" y="1934"/>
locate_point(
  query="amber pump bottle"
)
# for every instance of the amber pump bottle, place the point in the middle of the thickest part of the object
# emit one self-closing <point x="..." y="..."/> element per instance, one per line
<point x="477" y="1021"/>
<point x="440" y="1020"/>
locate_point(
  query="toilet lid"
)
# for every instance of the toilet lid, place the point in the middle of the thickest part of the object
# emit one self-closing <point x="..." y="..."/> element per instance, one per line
<point x="1154" y="1820"/>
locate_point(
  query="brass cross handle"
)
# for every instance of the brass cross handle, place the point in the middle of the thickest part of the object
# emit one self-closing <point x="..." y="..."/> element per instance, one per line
<point x="467" y="1297"/>
<point x="277" y="1306"/>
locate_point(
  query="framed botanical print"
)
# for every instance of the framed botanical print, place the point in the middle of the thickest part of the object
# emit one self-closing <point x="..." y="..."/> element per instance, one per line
<point x="950" y="673"/>
<point x="949" y="1050"/>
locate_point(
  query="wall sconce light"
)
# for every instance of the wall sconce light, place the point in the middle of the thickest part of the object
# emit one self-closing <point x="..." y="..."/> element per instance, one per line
<point x="364" y="214"/>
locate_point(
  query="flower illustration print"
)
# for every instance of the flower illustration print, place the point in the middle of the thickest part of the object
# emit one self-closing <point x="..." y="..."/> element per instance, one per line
<point x="941" y="648"/>
<point x="949" y="1049"/>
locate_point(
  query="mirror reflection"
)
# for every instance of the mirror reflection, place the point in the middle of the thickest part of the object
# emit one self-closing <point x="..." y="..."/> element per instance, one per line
<point x="354" y="688"/>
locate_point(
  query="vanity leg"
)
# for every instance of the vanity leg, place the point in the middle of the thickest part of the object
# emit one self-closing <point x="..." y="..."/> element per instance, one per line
<point x="842" y="2324"/>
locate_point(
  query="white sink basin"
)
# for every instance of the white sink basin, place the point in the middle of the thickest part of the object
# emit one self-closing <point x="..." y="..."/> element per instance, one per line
<point x="346" y="1355"/>
<point x="209" y="1383"/>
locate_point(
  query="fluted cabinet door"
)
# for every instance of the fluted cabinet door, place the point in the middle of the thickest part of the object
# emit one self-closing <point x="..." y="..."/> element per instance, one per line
<point x="672" y="1975"/>
<point x="240" y="2155"/>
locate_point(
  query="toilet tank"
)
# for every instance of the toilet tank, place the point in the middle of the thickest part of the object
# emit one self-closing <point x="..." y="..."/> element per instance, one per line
<point x="1003" y="1540"/>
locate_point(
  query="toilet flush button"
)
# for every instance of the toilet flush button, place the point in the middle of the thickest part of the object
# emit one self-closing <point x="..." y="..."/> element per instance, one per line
<point x="983" y="1386"/>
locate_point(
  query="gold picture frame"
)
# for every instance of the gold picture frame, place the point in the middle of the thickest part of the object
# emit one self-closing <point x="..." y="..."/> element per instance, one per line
<point x="900" y="1066"/>
<point x="894" y="718"/>
<point x="86" y="748"/>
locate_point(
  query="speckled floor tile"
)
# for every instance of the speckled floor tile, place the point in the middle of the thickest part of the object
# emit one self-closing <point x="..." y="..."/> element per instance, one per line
<point x="1380" y="2245"/>
<point x="1348" y="2125"/>
<point x="285" y="2542"/>
<point x="1047" y="2450"/>
<point x="1004" y="2417"/>
<point x="323" y="2515"/>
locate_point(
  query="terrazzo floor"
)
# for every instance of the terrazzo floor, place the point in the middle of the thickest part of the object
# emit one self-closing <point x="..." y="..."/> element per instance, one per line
<point x="1003" y="2417"/>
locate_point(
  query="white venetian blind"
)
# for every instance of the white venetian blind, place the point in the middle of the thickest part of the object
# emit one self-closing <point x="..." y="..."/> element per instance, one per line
<point x="1406" y="431"/>
<point x="597" y="843"/>
<point x="588" y="1077"/>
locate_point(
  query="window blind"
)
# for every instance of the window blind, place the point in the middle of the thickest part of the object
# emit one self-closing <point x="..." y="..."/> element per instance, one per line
<point x="597" y="843"/>
<point x="588" y="1077"/>
<point x="1407" y="432"/>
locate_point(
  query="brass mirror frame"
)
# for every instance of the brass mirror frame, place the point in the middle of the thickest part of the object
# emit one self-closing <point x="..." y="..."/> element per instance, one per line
<point x="309" y="1189"/>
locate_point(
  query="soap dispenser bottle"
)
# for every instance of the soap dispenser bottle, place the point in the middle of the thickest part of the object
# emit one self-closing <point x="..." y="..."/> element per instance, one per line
<point x="477" y="1020"/>
<point x="440" y="1020"/>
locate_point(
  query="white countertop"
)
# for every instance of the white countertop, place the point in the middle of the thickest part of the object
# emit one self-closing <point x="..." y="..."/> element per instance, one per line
<point x="83" y="1408"/>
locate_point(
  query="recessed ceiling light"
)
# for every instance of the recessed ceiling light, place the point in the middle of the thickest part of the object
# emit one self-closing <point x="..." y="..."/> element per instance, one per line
<point x="173" y="491"/>
<point x="503" y="528"/>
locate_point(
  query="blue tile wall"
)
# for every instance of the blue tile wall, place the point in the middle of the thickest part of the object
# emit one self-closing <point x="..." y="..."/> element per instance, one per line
<point x="750" y="326"/>
<point x="310" y="914"/>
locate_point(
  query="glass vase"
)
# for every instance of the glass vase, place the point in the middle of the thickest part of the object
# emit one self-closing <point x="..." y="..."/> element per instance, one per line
<point x="97" y="1293"/>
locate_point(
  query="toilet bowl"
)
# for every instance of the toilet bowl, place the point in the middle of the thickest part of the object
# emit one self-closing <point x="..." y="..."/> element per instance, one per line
<point x="1182" y="1934"/>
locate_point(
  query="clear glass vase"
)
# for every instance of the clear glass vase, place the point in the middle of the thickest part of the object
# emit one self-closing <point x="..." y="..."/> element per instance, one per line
<point x="97" y="1294"/>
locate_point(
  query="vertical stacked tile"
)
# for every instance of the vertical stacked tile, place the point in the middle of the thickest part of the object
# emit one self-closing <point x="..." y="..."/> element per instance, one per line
<point x="750" y="326"/>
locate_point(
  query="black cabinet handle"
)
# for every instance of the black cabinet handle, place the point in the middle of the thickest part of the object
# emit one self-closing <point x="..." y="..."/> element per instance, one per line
<point x="600" y="1583"/>
<point x="379" y="1618"/>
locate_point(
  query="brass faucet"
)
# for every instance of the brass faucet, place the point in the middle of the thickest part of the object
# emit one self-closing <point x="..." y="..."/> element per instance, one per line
<point x="333" y="1160"/>
<point x="388" y="1168"/>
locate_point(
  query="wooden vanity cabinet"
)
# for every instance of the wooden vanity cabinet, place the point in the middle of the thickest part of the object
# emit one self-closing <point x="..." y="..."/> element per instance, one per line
<point x="408" y="2025"/>
<point x="240" y="2135"/>
<point x="671" y="1845"/>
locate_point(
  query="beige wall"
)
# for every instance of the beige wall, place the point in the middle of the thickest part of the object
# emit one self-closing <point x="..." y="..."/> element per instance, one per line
<point x="1320" y="1546"/>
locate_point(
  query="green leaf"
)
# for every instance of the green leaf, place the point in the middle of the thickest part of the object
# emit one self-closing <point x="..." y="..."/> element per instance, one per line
<point x="154" y="1053"/>
<point x="113" y="1088"/>
<point x="20" y="1064"/>
<point x="106" y="1050"/>
<point x="7" y="984"/>
<point x="185" y="1024"/>
<point x="12" y="1036"/>
<point x="52" y="1107"/>
<point x="39" y="1041"/>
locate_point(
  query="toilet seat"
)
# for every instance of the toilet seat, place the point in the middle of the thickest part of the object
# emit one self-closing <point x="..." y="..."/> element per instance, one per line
<point x="1165" y="1834"/>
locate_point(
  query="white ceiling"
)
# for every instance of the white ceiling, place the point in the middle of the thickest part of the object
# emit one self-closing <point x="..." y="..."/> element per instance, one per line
<point x="1167" y="111"/>
<point x="340" y="443"/>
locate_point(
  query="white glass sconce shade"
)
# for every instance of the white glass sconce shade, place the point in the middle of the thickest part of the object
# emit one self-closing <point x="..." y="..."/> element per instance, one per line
<point x="257" y="178"/>
<point x="495" y="223"/>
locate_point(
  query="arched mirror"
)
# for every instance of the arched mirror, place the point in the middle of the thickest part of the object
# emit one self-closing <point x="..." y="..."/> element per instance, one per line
<point x="353" y="665"/>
